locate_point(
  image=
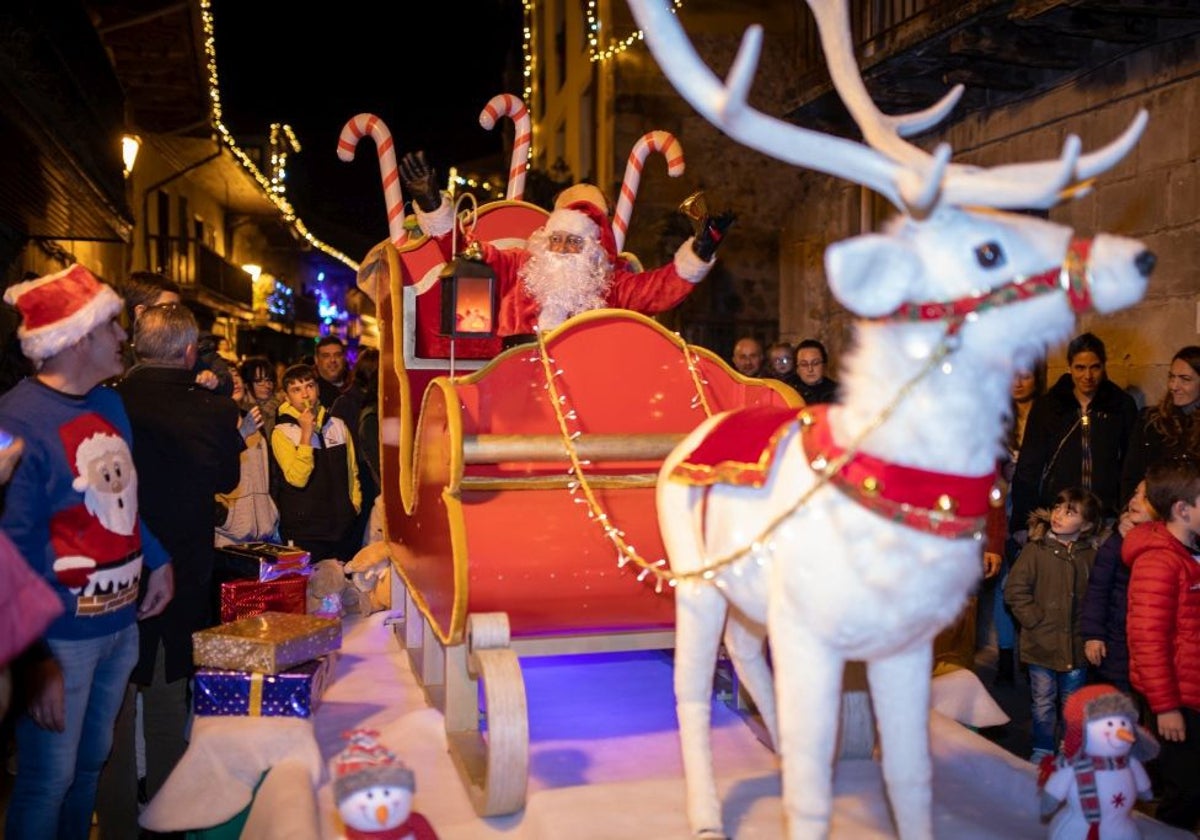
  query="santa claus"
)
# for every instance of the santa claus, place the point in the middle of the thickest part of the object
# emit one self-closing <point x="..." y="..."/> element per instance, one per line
<point x="570" y="264"/>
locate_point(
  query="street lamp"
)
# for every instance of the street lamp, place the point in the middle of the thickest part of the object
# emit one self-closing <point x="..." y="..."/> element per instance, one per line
<point x="130" y="145"/>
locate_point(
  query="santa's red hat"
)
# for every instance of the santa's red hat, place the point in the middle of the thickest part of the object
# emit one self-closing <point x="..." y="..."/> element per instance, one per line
<point x="583" y="214"/>
<point x="367" y="763"/>
<point x="60" y="309"/>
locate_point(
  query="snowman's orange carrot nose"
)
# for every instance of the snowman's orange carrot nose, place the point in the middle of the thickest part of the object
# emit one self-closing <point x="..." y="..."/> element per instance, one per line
<point x="1126" y="735"/>
<point x="381" y="814"/>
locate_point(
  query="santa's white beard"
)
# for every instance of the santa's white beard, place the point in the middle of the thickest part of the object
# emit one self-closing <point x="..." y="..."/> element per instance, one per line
<point x="565" y="284"/>
<point x="117" y="512"/>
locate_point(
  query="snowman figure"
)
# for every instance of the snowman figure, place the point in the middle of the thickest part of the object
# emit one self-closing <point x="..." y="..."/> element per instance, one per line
<point x="1099" y="773"/>
<point x="374" y="792"/>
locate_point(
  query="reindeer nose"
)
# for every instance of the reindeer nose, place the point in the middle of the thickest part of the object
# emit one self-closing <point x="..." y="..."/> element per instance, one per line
<point x="1145" y="262"/>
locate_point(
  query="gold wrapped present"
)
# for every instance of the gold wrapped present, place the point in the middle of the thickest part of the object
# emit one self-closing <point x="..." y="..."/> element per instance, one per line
<point x="267" y="643"/>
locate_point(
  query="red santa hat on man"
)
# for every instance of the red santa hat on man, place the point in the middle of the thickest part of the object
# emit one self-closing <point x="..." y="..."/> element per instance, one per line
<point x="582" y="210"/>
<point x="60" y="309"/>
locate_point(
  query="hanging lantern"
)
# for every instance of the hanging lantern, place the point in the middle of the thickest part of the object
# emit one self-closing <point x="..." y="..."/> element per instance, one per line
<point x="469" y="296"/>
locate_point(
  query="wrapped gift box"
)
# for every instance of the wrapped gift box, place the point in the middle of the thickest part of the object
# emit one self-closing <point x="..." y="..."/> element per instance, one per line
<point x="295" y="692"/>
<point x="266" y="643"/>
<point x="244" y="598"/>
<point x="261" y="561"/>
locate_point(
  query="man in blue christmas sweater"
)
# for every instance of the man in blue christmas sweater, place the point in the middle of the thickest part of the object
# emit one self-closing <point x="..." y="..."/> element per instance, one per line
<point x="71" y="509"/>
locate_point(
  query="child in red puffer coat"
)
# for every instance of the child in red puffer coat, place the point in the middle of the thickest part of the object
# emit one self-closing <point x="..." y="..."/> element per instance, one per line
<point x="1163" y="629"/>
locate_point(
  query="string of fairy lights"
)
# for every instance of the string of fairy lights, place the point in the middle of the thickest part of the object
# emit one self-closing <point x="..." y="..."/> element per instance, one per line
<point x="761" y="547"/>
<point x="580" y="488"/>
<point x="596" y="53"/>
<point x="273" y="186"/>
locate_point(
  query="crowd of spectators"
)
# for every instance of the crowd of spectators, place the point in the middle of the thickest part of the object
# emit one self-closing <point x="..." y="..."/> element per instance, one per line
<point x="130" y="463"/>
<point x="803" y="368"/>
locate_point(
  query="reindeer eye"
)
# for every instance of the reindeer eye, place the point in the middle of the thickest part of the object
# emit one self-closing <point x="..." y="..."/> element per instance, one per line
<point x="989" y="255"/>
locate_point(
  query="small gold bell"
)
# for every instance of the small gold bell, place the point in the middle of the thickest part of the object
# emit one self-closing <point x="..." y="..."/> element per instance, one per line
<point x="806" y="419"/>
<point x="945" y="504"/>
<point x="871" y="486"/>
<point x="996" y="496"/>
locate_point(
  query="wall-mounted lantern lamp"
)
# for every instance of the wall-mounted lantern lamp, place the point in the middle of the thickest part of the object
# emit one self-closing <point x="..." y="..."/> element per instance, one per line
<point x="130" y="145"/>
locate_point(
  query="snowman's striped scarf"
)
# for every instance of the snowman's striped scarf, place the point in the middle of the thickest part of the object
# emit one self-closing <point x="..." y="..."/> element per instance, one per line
<point x="1085" y="781"/>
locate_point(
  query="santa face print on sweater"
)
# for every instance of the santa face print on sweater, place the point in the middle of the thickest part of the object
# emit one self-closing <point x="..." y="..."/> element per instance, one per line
<point x="97" y="546"/>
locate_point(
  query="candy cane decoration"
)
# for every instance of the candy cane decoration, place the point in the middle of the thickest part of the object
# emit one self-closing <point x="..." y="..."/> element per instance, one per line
<point x="507" y="105"/>
<point x="652" y="141"/>
<point x="358" y="127"/>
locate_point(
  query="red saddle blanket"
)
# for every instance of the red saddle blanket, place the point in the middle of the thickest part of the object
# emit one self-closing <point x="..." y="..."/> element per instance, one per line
<point x="739" y="449"/>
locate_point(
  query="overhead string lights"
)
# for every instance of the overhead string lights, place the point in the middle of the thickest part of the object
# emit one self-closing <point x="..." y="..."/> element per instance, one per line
<point x="595" y="52"/>
<point x="273" y="187"/>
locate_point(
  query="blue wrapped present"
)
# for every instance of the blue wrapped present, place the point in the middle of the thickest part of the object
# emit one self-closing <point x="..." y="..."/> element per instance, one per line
<point x="295" y="692"/>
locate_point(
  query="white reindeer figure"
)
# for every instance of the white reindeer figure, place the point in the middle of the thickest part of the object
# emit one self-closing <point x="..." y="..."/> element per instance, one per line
<point x="862" y="541"/>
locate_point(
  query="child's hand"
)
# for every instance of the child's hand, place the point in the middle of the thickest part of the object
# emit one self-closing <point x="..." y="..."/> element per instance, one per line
<point x="308" y="422"/>
<point x="1170" y="725"/>
<point x="1095" y="650"/>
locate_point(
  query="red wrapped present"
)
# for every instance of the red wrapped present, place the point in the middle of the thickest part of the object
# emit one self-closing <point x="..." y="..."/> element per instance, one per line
<point x="244" y="598"/>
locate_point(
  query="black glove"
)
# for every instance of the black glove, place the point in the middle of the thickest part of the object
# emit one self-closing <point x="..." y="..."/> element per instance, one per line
<point x="712" y="232"/>
<point x="420" y="181"/>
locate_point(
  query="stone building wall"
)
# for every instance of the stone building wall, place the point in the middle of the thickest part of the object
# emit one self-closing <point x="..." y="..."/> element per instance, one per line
<point x="742" y="294"/>
<point x="1154" y="195"/>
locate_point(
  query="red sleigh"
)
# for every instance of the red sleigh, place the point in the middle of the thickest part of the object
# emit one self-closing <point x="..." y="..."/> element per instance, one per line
<point x="507" y="486"/>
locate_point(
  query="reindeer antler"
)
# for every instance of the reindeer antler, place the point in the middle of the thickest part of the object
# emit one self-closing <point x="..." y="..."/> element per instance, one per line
<point x="911" y="178"/>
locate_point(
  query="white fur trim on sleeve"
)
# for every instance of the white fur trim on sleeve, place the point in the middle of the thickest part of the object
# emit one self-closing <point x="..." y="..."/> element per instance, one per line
<point x="440" y="221"/>
<point x="689" y="266"/>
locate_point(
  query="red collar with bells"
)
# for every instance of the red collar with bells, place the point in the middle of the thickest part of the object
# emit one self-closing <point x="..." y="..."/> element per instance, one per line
<point x="1071" y="277"/>
<point x="941" y="504"/>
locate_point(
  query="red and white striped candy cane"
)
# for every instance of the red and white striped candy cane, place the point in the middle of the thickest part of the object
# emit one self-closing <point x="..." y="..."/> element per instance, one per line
<point x="507" y="105"/>
<point x="358" y="127"/>
<point x="652" y="141"/>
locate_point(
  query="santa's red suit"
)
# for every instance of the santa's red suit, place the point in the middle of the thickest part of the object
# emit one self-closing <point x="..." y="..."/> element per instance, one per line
<point x="648" y="292"/>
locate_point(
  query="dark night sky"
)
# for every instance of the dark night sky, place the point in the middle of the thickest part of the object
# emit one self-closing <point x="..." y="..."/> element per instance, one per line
<point x="316" y="69"/>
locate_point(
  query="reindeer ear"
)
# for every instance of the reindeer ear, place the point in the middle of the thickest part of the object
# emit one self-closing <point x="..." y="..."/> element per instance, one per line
<point x="872" y="275"/>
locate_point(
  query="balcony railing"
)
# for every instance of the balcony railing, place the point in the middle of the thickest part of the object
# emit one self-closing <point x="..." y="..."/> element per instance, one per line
<point x="223" y="278"/>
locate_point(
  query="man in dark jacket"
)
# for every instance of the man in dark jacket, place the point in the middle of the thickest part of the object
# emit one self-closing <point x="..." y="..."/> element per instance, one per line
<point x="186" y="445"/>
<point x="1077" y="435"/>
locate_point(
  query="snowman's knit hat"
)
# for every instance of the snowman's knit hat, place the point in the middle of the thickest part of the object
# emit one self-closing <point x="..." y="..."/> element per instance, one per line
<point x="366" y="763"/>
<point x="1089" y="703"/>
